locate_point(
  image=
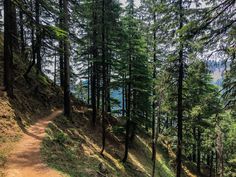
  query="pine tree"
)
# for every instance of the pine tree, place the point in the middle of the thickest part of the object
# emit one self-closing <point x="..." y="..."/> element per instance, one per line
<point x="10" y="44"/>
<point x="67" y="103"/>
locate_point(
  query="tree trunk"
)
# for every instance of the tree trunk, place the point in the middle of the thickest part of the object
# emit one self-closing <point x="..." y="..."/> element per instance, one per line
<point x="32" y="48"/>
<point x="55" y="69"/>
<point x="194" y="144"/>
<point x="61" y="59"/>
<point x="219" y="151"/>
<point x="67" y="103"/>
<point x="61" y="50"/>
<point x="199" y="151"/>
<point x="211" y="163"/>
<point x="108" y="89"/>
<point x="22" y="38"/>
<point x="88" y="84"/>
<point x="98" y="87"/>
<point x="180" y="96"/>
<point x="38" y="37"/>
<point x="94" y="65"/>
<point x="128" y="114"/>
<point x="9" y="41"/>
<point x="154" y="98"/>
<point x="104" y="80"/>
<point x="123" y="96"/>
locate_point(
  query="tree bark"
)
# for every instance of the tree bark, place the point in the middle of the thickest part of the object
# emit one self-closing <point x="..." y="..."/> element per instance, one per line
<point x="55" y="69"/>
<point x="88" y="84"/>
<point x="32" y="48"/>
<point x="22" y="38"/>
<point x="211" y="163"/>
<point x="199" y="151"/>
<point x="129" y="94"/>
<point x="104" y="80"/>
<point x="154" y="93"/>
<point x="61" y="49"/>
<point x="123" y="96"/>
<point x="194" y="144"/>
<point x="67" y="103"/>
<point x="9" y="40"/>
<point x="94" y="65"/>
<point x="38" y="37"/>
<point x="180" y="95"/>
<point x="128" y="113"/>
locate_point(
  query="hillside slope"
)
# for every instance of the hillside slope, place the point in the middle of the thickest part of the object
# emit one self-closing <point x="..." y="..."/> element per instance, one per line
<point x="32" y="99"/>
<point x="70" y="147"/>
<point x="74" y="148"/>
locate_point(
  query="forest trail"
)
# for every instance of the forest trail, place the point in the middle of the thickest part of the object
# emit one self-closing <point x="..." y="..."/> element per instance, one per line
<point x="25" y="160"/>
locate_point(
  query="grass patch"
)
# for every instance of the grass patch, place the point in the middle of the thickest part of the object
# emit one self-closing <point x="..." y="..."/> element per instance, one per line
<point x="74" y="149"/>
<point x="67" y="151"/>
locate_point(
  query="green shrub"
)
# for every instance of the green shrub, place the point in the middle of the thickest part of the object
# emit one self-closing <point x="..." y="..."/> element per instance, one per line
<point x="61" y="138"/>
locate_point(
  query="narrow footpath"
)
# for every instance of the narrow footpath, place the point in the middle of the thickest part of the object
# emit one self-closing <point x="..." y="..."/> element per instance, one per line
<point x="25" y="160"/>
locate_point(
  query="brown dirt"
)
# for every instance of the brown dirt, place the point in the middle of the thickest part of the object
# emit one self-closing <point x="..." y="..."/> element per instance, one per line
<point x="25" y="160"/>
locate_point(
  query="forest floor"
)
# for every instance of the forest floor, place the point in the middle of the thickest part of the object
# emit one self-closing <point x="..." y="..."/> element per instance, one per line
<point x="73" y="147"/>
<point x="25" y="160"/>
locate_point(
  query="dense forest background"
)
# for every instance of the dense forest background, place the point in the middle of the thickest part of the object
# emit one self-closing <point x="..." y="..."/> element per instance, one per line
<point x="162" y="70"/>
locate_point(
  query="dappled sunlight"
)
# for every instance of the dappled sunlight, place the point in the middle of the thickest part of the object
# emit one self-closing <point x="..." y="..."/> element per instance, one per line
<point x="90" y="148"/>
<point x="161" y="165"/>
<point x="136" y="162"/>
<point x="148" y="147"/>
<point x="173" y="156"/>
<point x="116" y="162"/>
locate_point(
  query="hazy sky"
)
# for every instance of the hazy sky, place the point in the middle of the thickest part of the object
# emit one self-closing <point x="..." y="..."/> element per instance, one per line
<point x="137" y="2"/>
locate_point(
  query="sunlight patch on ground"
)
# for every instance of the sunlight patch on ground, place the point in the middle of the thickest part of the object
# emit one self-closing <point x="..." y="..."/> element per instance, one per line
<point x="116" y="162"/>
<point x="172" y="155"/>
<point x="159" y="157"/>
<point x="145" y="144"/>
<point x="136" y="162"/>
<point x="91" y="149"/>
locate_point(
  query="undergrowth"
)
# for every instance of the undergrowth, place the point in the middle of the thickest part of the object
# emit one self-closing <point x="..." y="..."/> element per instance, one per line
<point x="74" y="149"/>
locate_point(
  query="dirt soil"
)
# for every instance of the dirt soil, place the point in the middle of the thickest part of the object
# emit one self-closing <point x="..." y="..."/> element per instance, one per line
<point x="25" y="159"/>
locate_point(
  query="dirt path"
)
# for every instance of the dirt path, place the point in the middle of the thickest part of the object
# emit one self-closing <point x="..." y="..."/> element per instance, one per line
<point x="25" y="161"/>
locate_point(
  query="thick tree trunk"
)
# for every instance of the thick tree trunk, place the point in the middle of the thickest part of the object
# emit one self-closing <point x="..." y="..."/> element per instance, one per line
<point x="9" y="41"/>
<point x="67" y="103"/>
<point x="180" y="96"/>
<point x="10" y="47"/>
